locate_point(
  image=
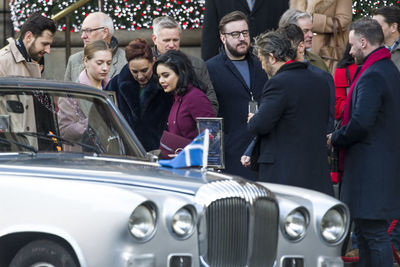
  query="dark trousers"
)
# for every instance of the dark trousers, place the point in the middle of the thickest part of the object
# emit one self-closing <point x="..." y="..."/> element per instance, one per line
<point x="373" y="243"/>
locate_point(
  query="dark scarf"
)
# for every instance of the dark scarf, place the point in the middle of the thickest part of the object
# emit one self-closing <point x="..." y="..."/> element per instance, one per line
<point x="378" y="54"/>
<point x="21" y="47"/>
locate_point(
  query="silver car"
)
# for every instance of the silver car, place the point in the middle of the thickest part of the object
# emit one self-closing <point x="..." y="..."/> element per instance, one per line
<point x="78" y="189"/>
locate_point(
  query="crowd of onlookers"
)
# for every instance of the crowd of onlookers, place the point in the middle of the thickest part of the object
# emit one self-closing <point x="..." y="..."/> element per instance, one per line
<point x="299" y="86"/>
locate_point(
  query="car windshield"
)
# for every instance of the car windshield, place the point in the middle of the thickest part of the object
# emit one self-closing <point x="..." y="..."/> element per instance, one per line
<point x="62" y="121"/>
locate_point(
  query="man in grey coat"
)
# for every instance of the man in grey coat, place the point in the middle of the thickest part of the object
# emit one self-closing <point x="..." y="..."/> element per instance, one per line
<point x="167" y="36"/>
<point x="96" y="26"/>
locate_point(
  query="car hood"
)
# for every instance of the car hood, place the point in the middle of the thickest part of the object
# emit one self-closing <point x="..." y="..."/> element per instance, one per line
<point x="111" y="170"/>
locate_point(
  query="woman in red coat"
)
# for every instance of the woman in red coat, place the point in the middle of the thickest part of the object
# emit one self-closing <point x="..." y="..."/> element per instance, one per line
<point x="343" y="76"/>
<point x="176" y="75"/>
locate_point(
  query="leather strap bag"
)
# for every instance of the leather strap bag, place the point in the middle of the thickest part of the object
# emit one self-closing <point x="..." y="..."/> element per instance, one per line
<point x="171" y="144"/>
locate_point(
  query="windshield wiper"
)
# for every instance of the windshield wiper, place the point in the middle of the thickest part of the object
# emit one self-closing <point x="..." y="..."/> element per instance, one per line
<point x="9" y="142"/>
<point x="50" y="136"/>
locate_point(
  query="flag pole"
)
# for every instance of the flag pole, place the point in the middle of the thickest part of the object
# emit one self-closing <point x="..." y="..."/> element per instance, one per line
<point x="205" y="149"/>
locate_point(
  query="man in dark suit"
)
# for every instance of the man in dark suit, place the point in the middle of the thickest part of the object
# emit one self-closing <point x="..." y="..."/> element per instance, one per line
<point x="369" y="134"/>
<point x="238" y="81"/>
<point x="262" y="15"/>
<point x="291" y="122"/>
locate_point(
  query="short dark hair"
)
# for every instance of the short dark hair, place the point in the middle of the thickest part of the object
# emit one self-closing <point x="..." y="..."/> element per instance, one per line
<point x="391" y="14"/>
<point x="138" y="48"/>
<point x="179" y="63"/>
<point x="369" y="29"/>
<point x="230" y="17"/>
<point x="275" y="43"/>
<point x="36" y="24"/>
<point x="293" y="33"/>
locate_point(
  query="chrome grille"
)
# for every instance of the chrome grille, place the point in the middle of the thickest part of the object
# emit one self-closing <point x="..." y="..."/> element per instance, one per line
<point x="239" y="226"/>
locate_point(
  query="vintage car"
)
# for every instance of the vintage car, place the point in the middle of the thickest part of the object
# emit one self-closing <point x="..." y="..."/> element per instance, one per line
<point x="78" y="189"/>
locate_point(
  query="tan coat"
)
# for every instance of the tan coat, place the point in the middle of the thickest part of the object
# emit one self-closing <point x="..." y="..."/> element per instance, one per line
<point x="13" y="63"/>
<point x="324" y="13"/>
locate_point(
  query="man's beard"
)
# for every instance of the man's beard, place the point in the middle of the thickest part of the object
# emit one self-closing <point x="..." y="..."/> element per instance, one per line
<point x="358" y="57"/>
<point x="33" y="53"/>
<point x="232" y="50"/>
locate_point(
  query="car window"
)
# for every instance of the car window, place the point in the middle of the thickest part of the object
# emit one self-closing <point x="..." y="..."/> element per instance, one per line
<point x="64" y="122"/>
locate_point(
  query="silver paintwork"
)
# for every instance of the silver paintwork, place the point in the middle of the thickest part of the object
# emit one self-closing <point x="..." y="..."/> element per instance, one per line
<point x="85" y="202"/>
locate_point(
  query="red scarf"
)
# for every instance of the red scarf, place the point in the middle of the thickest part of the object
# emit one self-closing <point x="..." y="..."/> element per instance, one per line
<point x="380" y="54"/>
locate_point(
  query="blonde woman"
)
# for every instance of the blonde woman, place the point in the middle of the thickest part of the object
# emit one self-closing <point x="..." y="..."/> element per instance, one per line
<point x="73" y="113"/>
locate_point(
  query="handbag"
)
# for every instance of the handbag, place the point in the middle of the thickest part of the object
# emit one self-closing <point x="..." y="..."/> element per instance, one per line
<point x="171" y="144"/>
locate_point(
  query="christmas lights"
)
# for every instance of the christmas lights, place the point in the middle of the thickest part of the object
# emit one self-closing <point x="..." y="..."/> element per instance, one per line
<point x="126" y="14"/>
<point x="363" y="8"/>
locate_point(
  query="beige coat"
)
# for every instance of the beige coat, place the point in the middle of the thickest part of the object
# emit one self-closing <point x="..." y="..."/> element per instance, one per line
<point x="324" y="13"/>
<point x="12" y="63"/>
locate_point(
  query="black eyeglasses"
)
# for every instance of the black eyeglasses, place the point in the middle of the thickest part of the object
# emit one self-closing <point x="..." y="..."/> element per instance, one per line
<point x="89" y="31"/>
<point x="236" y="34"/>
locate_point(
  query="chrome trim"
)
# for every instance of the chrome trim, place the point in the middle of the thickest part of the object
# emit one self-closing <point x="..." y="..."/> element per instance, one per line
<point x="245" y="207"/>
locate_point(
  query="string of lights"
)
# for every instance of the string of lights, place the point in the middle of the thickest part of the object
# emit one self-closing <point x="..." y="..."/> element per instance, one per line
<point x="139" y="14"/>
<point x="126" y="14"/>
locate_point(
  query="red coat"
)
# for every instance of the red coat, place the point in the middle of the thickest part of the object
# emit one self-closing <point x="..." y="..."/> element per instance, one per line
<point x="186" y="108"/>
<point x="341" y="83"/>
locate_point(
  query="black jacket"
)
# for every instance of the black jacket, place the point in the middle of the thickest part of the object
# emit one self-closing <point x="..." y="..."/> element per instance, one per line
<point x="233" y="97"/>
<point x="291" y="125"/>
<point x="146" y="114"/>
<point x="371" y="178"/>
<point x="264" y="16"/>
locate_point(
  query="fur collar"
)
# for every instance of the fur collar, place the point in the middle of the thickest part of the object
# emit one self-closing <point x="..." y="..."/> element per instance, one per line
<point x="312" y="6"/>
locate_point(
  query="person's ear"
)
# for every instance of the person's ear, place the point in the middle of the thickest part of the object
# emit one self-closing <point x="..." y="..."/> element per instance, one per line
<point x="85" y="61"/>
<point x="301" y="47"/>
<point x="271" y="59"/>
<point x="28" y="37"/>
<point x="154" y="38"/>
<point x="394" y="27"/>
<point x="222" y="37"/>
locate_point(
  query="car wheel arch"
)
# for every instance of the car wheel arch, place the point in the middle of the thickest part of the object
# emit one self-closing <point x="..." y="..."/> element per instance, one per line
<point x="13" y="242"/>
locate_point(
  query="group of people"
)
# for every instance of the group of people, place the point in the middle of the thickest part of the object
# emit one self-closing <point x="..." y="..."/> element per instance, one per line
<point x="279" y="98"/>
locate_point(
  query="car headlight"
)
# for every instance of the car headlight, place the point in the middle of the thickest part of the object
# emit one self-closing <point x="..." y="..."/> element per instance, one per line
<point x="333" y="225"/>
<point x="296" y="223"/>
<point x="143" y="221"/>
<point x="183" y="222"/>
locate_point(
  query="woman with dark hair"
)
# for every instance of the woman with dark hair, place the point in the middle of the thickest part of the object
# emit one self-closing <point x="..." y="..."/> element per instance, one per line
<point x="176" y="75"/>
<point x="344" y="73"/>
<point x="139" y="96"/>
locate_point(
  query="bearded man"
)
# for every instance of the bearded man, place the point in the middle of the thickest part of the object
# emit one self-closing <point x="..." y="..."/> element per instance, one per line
<point x="238" y="80"/>
<point x="20" y="56"/>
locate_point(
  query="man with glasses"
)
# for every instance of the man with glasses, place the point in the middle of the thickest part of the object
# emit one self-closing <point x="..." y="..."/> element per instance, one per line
<point x="167" y="36"/>
<point x="238" y="80"/>
<point x="96" y="26"/>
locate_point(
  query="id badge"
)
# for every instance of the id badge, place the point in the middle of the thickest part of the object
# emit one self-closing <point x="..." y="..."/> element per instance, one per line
<point x="253" y="107"/>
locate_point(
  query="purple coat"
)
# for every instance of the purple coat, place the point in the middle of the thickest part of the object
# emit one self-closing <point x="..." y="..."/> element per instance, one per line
<point x="186" y="108"/>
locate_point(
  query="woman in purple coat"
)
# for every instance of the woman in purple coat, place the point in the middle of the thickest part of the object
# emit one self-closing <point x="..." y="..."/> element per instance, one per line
<point x="175" y="74"/>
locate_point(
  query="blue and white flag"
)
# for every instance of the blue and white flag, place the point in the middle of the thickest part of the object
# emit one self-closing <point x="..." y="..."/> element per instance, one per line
<point x="194" y="154"/>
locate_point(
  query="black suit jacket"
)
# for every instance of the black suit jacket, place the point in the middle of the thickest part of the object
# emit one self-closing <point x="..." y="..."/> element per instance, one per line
<point x="233" y="96"/>
<point x="371" y="179"/>
<point x="264" y="16"/>
<point x="291" y="125"/>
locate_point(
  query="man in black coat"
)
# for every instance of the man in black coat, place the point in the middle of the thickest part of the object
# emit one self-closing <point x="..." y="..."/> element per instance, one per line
<point x="262" y="15"/>
<point x="291" y="122"/>
<point x="369" y="135"/>
<point x="238" y="81"/>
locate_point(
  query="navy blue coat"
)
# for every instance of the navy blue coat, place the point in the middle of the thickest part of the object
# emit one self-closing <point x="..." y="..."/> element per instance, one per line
<point x="147" y="114"/>
<point x="264" y="16"/>
<point x="371" y="178"/>
<point x="291" y="126"/>
<point x="233" y="98"/>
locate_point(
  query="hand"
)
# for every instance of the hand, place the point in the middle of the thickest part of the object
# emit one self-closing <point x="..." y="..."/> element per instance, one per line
<point x="250" y="116"/>
<point x="328" y="140"/>
<point x="245" y="160"/>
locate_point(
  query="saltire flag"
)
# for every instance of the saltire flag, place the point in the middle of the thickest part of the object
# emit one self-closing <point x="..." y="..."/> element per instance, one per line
<point x="194" y="154"/>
